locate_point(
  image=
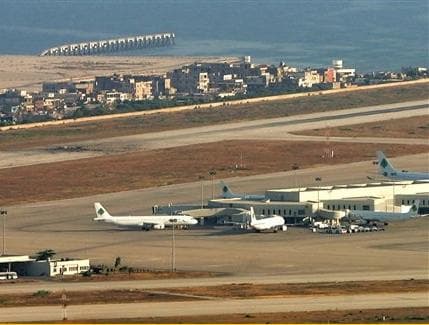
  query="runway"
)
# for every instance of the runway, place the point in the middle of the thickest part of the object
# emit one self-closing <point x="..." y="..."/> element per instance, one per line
<point x="269" y="129"/>
<point x="213" y="307"/>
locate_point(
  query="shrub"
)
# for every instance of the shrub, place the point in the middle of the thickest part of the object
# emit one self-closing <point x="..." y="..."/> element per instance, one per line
<point x="41" y="293"/>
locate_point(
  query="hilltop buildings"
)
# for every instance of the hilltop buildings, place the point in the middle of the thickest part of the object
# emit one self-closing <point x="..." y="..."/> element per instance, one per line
<point x="191" y="84"/>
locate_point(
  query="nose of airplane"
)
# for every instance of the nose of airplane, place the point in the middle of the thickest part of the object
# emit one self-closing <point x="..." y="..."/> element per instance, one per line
<point x="194" y="221"/>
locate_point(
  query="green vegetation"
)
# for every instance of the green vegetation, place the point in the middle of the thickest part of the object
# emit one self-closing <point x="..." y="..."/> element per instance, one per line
<point x="41" y="293"/>
<point x="45" y="254"/>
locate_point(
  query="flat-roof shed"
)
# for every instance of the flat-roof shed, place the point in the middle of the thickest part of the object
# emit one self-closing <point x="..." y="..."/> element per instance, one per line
<point x="15" y="263"/>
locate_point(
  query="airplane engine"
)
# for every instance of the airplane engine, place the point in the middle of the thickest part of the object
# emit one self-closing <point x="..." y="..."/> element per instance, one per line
<point x="145" y="227"/>
<point x="159" y="226"/>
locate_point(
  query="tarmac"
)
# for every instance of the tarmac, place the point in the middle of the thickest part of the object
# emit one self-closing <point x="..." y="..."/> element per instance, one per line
<point x="67" y="227"/>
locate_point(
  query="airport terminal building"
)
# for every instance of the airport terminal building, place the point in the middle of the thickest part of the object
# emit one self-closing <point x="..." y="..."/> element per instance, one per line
<point x="296" y="204"/>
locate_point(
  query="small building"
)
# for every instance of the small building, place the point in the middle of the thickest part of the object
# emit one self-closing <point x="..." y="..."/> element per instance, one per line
<point x="311" y="77"/>
<point x="25" y="265"/>
<point x="57" y="267"/>
<point x="143" y="90"/>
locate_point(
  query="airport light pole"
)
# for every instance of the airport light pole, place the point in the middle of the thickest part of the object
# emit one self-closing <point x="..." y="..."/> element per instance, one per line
<point x="173" y="241"/>
<point x="173" y="247"/>
<point x="295" y="167"/>
<point x="212" y="173"/>
<point x="318" y="179"/>
<point x="4" y="214"/>
<point x="64" y="304"/>
<point x="201" y="178"/>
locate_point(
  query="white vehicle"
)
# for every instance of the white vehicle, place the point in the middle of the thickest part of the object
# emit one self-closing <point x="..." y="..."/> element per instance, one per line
<point x="144" y="222"/>
<point x="354" y="228"/>
<point x="228" y="194"/>
<point x="409" y="212"/>
<point x="386" y="169"/>
<point x="8" y="276"/>
<point x="336" y="230"/>
<point x="342" y="230"/>
<point x="320" y="225"/>
<point x="274" y="223"/>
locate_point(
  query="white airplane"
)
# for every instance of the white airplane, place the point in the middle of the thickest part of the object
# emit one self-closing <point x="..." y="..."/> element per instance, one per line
<point x="386" y="169"/>
<point x="228" y="194"/>
<point x="144" y="222"/>
<point x="274" y="223"/>
<point x="407" y="212"/>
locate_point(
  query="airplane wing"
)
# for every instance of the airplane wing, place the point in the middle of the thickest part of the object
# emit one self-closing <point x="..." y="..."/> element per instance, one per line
<point x="206" y="213"/>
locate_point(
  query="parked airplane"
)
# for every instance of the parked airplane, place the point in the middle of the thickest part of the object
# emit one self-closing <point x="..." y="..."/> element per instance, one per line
<point x="144" y="222"/>
<point x="408" y="212"/>
<point x="228" y="194"/>
<point x="386" y="169"/>
<point x="274" y="223"/>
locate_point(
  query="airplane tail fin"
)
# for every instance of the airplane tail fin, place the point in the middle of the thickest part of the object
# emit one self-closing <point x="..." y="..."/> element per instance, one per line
<point x="101" y="212"/>
<point x="252" y="216"/>
<point x="414" y="210"/>
<point x="226" y="191"/>
<point x="385" y="168"/>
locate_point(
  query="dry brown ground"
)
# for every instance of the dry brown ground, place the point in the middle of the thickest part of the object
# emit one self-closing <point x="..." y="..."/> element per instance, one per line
<point x="412" y="127"/>
<point x="234" y="291"/>
<point x="120" y="276"/>
<point x="142" y="275"/>
<point x="392" y="315"/>
<point x="45" y="298"/>
<point x="248" y="290"/>
<point x="28" y="72"/>
<point x="16" y="139"/>
<point x="144" y="169"/>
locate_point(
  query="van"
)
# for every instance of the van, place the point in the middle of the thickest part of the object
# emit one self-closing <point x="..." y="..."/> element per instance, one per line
<point x="8" y="276"/>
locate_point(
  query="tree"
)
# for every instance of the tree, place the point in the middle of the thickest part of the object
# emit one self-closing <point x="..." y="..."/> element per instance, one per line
<point x="117" y="262"/>
<point x="45" y="254"/>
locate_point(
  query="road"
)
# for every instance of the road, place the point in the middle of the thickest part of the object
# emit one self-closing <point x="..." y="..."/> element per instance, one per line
<point x="214" y="307"/>
<point x="269" y="129"/>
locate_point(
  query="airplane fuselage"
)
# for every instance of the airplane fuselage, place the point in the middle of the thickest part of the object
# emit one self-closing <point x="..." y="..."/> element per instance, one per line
<point x="270" y="223"/>
<point x="380" y="215"/>
<point x="141" y="221"/>
<point x="410" y="176"/>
